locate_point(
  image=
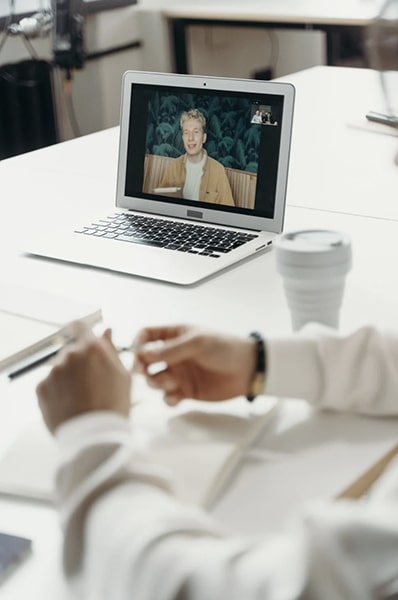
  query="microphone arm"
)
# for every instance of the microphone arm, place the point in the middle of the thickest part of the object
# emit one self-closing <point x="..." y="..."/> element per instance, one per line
<point x="68" y="34"/>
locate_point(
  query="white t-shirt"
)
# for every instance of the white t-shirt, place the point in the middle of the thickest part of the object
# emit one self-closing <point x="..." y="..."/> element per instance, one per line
<point x="194" y="172"/>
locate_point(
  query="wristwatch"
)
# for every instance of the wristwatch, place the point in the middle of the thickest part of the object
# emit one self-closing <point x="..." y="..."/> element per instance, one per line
<point x="257" y="385"/>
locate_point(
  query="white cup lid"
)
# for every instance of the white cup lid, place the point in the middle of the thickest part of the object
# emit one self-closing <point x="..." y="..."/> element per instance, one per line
<point x="313" y="248"/>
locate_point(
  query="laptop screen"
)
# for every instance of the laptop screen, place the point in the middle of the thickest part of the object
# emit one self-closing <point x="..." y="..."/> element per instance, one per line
<point x="215" y="149"/>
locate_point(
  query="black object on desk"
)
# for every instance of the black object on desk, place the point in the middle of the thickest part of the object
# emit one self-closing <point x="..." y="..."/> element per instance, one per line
<point x="376" y="117"/>
<point x="13" y="550"/>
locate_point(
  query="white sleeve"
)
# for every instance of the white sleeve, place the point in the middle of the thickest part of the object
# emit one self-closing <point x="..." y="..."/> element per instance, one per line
<point x="354" y="373"/>
<point x="127" y="537"/>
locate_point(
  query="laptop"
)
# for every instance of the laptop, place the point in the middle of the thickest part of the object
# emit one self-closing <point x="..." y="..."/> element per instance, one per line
<point x="201" y="183"/>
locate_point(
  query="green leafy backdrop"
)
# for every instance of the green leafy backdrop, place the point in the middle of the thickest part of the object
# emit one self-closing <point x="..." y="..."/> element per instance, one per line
<point x="231" y="139"/>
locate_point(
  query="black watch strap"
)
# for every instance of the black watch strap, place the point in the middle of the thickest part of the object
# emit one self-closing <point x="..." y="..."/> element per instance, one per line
<point x="257" y="385"/>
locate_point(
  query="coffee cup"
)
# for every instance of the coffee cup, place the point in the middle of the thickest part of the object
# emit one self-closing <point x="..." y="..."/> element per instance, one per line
<point x="313" y="264"/>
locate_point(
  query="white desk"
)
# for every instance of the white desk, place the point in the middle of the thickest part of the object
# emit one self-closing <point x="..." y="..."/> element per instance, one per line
<point x="331" y="17"/>
<point x="335" y="165"/>
<point x="58" y="182"/>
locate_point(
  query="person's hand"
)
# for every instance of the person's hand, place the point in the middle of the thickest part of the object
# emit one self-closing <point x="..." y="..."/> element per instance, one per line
<point x="200" y="365"/>
<point x="87" y="376"/>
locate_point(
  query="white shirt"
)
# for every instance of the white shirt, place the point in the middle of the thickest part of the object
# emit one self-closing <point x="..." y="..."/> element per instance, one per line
<point x="194" y="172"/>
<point x="133" y="540"/>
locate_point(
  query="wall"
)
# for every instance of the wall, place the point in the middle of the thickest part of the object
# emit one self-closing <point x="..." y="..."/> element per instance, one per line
<point x="98" y="85"/>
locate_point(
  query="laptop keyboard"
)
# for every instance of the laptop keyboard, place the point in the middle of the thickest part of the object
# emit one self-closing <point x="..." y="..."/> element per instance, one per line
<point x="173" y="235"/>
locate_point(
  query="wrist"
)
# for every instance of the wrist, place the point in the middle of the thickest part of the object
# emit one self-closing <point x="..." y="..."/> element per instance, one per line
<point x="257" y="381"/>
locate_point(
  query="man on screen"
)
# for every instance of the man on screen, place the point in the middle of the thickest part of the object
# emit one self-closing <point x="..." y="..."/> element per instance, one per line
<point x="256" y="117"/>
<point x="199" y="176"/>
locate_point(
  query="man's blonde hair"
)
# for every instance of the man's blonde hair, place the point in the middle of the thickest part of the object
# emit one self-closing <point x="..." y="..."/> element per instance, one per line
<point x="193" y="113"/>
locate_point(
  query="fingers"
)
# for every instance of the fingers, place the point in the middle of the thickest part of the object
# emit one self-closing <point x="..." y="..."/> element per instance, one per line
<point x="163" y="381"/>
<point x="84" y="341"/>
<point x="79" y="330"/>
<point x="185" y="346"/>
<point x="88" y="376"/>
<point x="177" y="357"/>
<point x="153" y="334"/>
<point x="172" y="398"/>
<point x="155" y="354"/>
<point x="78" y="333"/>
<point x="107" y="335"/>
<point x="172" y="393"/>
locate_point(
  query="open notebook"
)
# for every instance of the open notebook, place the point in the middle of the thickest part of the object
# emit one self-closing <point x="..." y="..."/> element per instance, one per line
<point x="34" y="323"/>
<point x="217" y="454"/>
<point x="201" y="180"/>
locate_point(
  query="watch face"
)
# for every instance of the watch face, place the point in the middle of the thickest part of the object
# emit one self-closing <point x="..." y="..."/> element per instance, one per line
<point x="258" y="384"/>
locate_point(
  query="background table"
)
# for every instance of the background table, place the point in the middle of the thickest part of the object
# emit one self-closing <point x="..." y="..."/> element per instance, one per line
<point x="340" y="162"/>
<point x="334" y="18"/>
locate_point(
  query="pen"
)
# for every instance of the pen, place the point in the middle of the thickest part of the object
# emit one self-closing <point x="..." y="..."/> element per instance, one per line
<point x="36" y="361"/>
<point x="382" y="118"/>
<point x="44" y="356"/>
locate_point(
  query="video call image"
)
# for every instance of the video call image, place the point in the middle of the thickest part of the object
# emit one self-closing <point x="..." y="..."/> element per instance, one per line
<point x="201" y="146"/>
<point x="262" y="114"/>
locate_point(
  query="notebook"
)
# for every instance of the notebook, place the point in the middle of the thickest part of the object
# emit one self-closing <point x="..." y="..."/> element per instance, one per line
<point x="205" y="156"/>
<point x="35" y="324"/>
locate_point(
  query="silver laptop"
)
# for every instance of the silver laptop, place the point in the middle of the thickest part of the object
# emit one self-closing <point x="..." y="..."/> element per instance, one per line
<point x="201" y="184"/>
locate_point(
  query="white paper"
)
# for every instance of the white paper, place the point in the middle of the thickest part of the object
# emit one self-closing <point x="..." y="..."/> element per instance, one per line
<point x="17" y="333"/>
<point x="28" y="468"/>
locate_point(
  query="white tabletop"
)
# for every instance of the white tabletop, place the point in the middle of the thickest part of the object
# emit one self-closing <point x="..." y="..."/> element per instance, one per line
<point x="316" y="12"/>
<point x="341" y="162"/>
<point x="340" y="178"/>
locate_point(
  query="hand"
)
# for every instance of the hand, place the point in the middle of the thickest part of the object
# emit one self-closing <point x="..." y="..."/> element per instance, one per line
<point x="200" y="365"/>
<point x="87" y="376"/>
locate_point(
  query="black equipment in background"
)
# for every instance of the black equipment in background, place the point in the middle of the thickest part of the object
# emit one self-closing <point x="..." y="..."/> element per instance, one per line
<point x="68" y="34"/>
<point x="27" y="112"/>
